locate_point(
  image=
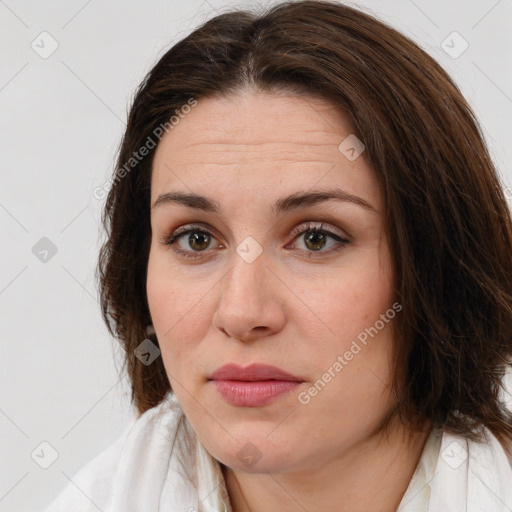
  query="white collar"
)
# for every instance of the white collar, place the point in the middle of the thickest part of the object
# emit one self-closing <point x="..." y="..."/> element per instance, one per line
<point x="457" y="474"/>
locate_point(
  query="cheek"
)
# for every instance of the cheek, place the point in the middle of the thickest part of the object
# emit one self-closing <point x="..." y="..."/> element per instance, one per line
<point x="346" y="309"/>
<point x="351" y="300"/>
<point x="179" y="309"/>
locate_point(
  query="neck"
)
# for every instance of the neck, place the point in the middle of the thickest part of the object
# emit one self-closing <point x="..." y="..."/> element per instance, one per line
<point x="373" y="475"/>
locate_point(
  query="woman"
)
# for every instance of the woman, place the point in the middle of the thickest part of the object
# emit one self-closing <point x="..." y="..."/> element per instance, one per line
<point x="308" y="266"/>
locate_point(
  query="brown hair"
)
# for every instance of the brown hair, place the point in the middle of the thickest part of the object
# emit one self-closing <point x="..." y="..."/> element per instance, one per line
<point x="447" y="219"/>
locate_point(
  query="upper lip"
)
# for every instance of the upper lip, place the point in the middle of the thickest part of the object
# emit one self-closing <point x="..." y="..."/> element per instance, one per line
<point x="253" y="372"/>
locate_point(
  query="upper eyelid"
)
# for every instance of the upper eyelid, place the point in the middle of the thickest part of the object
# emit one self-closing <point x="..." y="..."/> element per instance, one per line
<point x="320" y="226"/>
<point x="296" y="231"/>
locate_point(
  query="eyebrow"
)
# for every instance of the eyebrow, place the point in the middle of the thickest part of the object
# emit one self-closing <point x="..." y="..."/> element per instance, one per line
<point x="292" y="202"/>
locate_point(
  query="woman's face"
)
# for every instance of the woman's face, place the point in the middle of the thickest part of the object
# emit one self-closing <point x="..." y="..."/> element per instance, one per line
<point x="252" y="283"/>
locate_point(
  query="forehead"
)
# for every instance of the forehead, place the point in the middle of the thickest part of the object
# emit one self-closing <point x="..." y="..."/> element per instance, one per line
<point x="254" y="118"/>
<point x="260" y="142"/>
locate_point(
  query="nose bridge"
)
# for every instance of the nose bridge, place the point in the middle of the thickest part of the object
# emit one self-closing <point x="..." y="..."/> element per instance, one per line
<point x="248" y="298"/>
<point x="248" y="273"/>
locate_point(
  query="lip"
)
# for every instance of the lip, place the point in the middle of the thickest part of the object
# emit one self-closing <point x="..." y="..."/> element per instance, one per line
<point x="253" y="372"/>
<point x="253" y="386"/>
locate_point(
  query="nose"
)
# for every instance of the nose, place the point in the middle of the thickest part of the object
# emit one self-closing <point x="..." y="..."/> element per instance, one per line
<point x="250" y="304"/>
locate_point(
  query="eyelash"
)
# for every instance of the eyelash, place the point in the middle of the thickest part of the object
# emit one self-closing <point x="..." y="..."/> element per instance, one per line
<point x="171" y="239"/>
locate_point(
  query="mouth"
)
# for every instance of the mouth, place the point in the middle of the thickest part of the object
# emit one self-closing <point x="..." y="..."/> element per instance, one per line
<point x="254" y="386"/>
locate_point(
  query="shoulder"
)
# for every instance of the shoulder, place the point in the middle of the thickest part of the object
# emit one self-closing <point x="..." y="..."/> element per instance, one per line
<point x="488" y="453"/>
<point x="92" y="487"/>
<point x="471" y="475"/>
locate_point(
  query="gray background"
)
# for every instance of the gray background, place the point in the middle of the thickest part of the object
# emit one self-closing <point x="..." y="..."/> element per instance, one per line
<point x="62" y="118"/>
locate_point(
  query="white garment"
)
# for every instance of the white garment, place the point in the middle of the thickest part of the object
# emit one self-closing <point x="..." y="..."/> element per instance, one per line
<point x="143" y="472"/>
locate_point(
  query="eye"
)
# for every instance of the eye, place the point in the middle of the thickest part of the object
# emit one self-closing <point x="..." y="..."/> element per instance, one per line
<point x="199" y="240"/>
<point x="315" y="238"/>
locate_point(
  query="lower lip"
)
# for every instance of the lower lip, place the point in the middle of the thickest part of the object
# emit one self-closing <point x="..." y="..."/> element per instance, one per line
<point x="253" y="394"/>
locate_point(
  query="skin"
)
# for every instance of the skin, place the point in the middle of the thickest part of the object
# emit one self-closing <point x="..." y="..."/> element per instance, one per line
<point x="293" y="307"/>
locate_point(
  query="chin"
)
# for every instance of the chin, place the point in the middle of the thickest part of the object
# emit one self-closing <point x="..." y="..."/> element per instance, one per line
<point x="253" y="455"/>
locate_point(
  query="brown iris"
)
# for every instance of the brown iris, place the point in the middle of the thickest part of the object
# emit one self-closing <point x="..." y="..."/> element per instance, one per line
<point x="314" y="239"/>
<point x="199" y="241"/>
